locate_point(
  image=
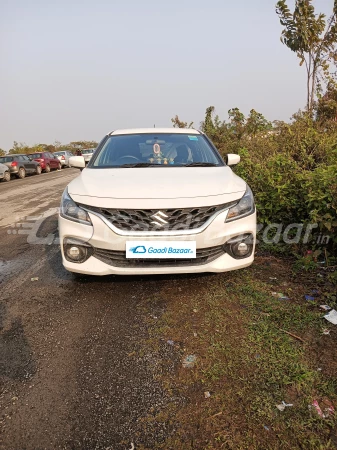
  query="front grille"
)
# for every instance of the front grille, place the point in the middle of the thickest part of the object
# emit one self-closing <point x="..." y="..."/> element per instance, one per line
<point x="159" y="220"/>
<point x="118" y="258"/>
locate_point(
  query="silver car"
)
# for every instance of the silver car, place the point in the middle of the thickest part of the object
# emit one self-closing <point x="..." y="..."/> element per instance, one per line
<point x="87" y="154"/>
<point x="5" y="174"/>
<point x="63" y="156"/>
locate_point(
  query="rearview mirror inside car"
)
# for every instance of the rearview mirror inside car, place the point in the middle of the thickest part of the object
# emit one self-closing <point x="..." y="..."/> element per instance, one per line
<point x="232" y="159"/>
<point x="77" y="161"/>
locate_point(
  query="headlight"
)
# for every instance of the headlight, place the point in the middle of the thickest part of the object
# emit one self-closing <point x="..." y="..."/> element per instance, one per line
<point x="71" y="211"/>
<point x="244" y="208"/>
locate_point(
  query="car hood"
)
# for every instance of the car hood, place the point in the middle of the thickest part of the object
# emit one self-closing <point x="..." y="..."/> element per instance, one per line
<point x="156" y="187"/>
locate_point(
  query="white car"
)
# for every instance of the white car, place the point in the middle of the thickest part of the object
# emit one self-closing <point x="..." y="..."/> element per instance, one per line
<point x="87" y="154"/>
<point x="5" y="174"/>
<point x="63" y="156"/>
<point x="156" y="201"/>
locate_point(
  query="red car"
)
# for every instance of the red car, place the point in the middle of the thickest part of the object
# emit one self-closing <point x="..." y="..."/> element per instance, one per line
<point x="47" y="161"/>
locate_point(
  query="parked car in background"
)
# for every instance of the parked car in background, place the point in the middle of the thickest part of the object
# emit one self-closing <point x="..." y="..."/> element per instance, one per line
<point x="21" y="165"/>
<point x="63" y="156"/>
<point x="46" y="160"/>
<point x="87" y="154"/>
<point x="5" y="174"/>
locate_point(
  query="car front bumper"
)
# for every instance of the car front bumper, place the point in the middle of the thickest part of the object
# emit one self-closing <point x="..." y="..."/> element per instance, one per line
<point x="100" y="236"/>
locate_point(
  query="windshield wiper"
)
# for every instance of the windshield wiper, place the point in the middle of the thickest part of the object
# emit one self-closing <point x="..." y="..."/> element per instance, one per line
<point x="201" y="164"/>
<point x="142" y="164"/>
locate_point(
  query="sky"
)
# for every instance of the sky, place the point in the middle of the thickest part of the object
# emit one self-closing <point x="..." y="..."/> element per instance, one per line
<point x="76" y="70"/>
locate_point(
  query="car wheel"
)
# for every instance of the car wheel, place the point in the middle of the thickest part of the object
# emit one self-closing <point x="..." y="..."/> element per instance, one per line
<point x="47" y="169"/>
<point x="7" y="176"/>
<point x="38" y="170"/>
<point x="59" y="167"/>
<point x="21" y="173"/>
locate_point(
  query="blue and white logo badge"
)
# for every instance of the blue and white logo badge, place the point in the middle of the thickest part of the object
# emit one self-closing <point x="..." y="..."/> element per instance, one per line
<point x="161" y="249"/>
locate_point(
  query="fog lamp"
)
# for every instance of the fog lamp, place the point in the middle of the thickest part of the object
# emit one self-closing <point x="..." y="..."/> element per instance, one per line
<point x="76" y="251"/>
<point x="240" y="246"/>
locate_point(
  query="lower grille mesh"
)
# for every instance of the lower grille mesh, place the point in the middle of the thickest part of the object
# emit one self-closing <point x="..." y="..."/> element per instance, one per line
<point x="118" y="258"/>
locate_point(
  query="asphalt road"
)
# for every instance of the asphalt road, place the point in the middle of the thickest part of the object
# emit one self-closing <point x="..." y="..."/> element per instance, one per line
<point x="74" y="370"/>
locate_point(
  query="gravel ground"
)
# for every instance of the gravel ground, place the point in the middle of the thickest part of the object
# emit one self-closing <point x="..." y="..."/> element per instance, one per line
<point x="75" y="370"/>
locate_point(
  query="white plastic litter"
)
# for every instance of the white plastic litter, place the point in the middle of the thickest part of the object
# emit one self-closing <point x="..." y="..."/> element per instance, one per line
<point x="332" y="316"/>
<point x="283" y="406"/>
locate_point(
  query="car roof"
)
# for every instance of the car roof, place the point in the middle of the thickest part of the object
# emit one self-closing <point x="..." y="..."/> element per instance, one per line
<point x="155" y="130"/>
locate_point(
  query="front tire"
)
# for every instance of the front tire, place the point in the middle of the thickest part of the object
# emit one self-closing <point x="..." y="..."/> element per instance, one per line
<point x="38" y="170"/>
<point x="22" y="173"/>
<point x="47" y="169"/>
<point x="6" y="177"/>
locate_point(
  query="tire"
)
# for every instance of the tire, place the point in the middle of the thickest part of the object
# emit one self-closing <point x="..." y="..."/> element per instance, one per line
<point x="47" y="169"/>
<point x="38" y="170"/>
<point x="22" y="173"/>
<point x="6" y="177"/>
<point x="59" y="167"/>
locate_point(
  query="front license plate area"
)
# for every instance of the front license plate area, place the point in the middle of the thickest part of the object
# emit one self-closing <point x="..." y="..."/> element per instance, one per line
<point x="160" y="249"/>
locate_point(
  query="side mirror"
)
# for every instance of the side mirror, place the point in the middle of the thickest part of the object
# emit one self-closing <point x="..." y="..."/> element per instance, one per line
<point x="77" y="161"/>
<point x="232" y="159"/>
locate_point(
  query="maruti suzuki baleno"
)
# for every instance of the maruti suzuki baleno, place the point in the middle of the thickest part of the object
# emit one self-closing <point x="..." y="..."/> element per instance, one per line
<point x="156" y="201"/>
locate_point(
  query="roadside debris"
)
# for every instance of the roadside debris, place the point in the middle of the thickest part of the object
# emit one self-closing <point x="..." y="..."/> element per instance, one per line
<point x="282" y="406"/>
<point x="326" y="331"/>
<point x="170" y="342"/>
<point x="195" y="334"/>
<point x="309" y="298"/>
<point x="265" y="427"/>
<point x="325" y="307"/>
<point x="195" y="310"/>
<point x="280" y="296"/>
<point x="189" y="361"/>
<point x="132" y="446"/>
<point x="207" y="394"/>
<point x="292" y="335"/>
<point x="329" y="410"/>
<point x="332" y="316"/>
<point x="34" y="279"/>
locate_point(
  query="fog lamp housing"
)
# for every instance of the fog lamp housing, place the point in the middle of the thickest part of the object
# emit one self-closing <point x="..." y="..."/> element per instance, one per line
<point x="76" y="251"/>
<point x="241" y="246"/>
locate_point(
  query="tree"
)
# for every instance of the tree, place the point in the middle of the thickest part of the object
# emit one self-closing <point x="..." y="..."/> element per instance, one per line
<point x="177" y="123"/>
<point x="312" y="39"/>
<point x="2" y="152"/>
<point x="257" y="123"/>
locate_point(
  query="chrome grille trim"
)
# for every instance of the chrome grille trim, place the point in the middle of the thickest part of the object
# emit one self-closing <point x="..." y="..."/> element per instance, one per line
<point x="118" y="258"/>
<point x="203" y="216"/>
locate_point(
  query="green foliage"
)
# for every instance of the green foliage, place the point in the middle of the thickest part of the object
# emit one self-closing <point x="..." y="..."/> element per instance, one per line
<point x="177" y="123"/>
<point x="2" y="152"/>
<point x="291" y="167"/>
<point x="26" y="149"/>
<point x="312" y="38"/>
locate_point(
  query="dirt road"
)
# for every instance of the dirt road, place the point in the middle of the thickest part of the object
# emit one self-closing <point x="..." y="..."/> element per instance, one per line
<point x="74" y="370"/>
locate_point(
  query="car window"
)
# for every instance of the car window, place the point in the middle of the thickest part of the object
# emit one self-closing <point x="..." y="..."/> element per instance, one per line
<point x="36" y="155"/>
<point x="25" y="158"/>
<point x="6" y="159"/>
<point x="164" y="149"/>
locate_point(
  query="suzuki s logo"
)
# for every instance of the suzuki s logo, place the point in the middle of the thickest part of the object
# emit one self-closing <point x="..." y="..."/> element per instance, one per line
<point x="159" y="219"/>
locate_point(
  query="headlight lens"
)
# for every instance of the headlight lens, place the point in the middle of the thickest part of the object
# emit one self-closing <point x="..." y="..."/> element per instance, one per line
<point x="71" y="211"/>
<point x="245" y="207"/>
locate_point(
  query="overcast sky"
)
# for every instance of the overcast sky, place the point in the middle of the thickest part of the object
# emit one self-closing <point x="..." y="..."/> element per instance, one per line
<point x="73" y="70"/>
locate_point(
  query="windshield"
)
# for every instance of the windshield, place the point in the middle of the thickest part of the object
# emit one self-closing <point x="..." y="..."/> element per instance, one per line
<point x="85" y="152"/>
<point x="36" y="155"/>
<point x="162" y="149"/>
<point x="59" y="153"/>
